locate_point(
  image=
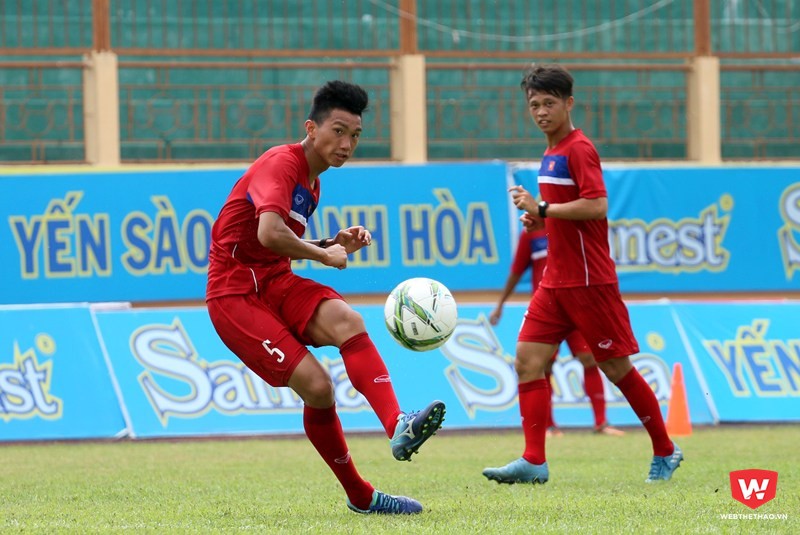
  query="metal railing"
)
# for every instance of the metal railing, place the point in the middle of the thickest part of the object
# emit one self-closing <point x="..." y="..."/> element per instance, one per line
<point x="214" y="81"/>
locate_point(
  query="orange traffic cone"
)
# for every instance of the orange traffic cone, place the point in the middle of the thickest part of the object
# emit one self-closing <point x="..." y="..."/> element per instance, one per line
<point x="678" y="422"/>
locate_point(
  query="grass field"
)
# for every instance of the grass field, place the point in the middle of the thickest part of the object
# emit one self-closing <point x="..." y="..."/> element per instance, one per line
<point x="272" y="485"/>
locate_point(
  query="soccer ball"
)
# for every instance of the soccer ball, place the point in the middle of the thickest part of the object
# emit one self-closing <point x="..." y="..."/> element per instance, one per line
<point x="420" y="314"/>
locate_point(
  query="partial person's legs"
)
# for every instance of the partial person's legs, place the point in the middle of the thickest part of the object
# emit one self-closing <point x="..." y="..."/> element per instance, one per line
<point x="593" y="386"/>
<point x="666" y="454"/>
<point x="246" y="325"/>
<point x="534" y="406"/>
<point x="336" y="323"/>
<point x="600" y="315"/>
<point x="551" y="426"/>
<point x="324" y="429"/>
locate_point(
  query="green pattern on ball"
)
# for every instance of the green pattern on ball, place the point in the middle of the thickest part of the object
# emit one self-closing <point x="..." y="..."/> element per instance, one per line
<point x="406" y="306"/>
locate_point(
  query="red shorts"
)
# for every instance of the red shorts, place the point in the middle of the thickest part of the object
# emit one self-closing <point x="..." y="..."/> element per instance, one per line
<point x="577" y="344"/>
<point x="267" y="330"/>
<point x="596" y="312"/>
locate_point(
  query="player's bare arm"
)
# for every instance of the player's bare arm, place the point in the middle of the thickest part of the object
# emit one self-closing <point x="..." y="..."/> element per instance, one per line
<point x="581" y="209"/>
<point x="276" y="236"/>
<point x="511" y="282"/>
<point x="577" y="210"/>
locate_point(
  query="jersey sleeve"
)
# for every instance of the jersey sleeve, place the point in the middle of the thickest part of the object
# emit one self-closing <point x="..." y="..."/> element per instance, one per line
<point x="538" y="257"/>
<point x="271" y="187"/>
<point x="522" y="255"/>
<point x="584" y="167"/>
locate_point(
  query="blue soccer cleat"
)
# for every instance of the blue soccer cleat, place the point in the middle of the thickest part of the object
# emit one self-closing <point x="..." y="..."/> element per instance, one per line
<point x="518" y="471"/>
<point x="414" y="428"/>
<point x="384" y="504"/>
<point x="661" y="468"/>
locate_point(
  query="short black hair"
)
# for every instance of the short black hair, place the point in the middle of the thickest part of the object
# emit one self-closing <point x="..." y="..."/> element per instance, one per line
<point x="337" y="95"/>
<point x="548" y="78"/>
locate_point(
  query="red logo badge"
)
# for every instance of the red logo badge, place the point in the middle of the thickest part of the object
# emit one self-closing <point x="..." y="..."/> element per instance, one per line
<point x="753" y="487"/>
<point x="551" y="165"/>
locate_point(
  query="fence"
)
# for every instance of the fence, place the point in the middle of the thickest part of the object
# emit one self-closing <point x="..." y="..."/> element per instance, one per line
<point x="180" y="81"/>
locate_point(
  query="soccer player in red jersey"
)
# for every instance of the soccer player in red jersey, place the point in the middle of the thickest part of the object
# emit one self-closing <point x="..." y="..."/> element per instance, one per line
<point x="531" y="252"/>
<point x="267" y="315"/>
<point x="579" y="288"/>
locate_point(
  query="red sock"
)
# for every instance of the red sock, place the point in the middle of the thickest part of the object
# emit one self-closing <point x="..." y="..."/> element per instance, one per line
<point x="644" y="403"/>
<point x="369" y="376"/>
<point x="593" y="385"/>
<point x="551" y="422"/>
<point x="534" y="406"/>
<point x="324" y="430"/>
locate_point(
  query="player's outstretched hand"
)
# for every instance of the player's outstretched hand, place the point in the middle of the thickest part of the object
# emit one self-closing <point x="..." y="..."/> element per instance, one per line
<point x="353" y="238"/>
<point x="531" y="221"/>
<point x="335" y="256"/>
<point x="522" y="198"/>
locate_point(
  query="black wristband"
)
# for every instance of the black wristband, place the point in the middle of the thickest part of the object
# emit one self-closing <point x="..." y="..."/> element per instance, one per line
<point x="324" y="242"/>
<point x="543" y="206"/>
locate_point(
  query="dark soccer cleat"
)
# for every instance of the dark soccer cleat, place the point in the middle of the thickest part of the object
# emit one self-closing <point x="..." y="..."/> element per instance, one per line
<point x="518" y="471"/>
<point x="384" y="504"/>
<point x="661" y="468"/>
<point x="414" y="428"/>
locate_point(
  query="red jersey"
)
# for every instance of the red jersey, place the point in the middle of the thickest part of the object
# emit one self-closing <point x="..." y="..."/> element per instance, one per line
<point x="531" y="252"/>
<point x="578" y="251"/>
<point x="276" y="182"/>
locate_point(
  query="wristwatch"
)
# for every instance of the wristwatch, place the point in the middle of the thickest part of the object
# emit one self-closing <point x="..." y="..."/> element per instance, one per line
<point x="543" y="205"/>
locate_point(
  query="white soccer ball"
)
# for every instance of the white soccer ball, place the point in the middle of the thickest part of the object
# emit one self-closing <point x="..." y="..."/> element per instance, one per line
<point x="420" y="314"/>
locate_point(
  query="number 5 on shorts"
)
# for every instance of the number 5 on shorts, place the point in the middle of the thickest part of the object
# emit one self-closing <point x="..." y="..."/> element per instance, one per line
<point x="273" y="350"/>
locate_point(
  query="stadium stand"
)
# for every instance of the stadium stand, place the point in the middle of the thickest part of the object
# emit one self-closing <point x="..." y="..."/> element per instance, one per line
<point x="221" y="81"/>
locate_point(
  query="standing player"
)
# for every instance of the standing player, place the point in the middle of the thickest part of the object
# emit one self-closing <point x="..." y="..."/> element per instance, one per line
<point x="531" y="252"/>
<point x="267" y="315"/>
<point x="579" y="288"/>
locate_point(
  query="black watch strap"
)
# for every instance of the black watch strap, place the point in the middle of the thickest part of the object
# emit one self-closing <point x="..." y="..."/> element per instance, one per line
<point x="543" y="206"/>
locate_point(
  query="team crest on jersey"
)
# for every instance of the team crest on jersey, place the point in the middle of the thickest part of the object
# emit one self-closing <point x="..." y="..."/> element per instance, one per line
<point x="303" y="204"/>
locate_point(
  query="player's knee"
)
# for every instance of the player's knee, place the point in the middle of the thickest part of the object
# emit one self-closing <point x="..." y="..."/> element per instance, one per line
<point x="616" y="368"/>
<point x="349" y="323"/>
<point x="334" y="323"/>
<point x="318" y="392"/>
<point x="526" y="368"/>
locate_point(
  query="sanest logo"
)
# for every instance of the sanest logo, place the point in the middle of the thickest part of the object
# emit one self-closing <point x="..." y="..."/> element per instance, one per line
<point x="753" y="487"/>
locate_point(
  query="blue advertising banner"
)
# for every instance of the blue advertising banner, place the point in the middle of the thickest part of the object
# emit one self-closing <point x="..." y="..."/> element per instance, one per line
<point x="749" y="355"/>
<point x="481" y="371"/>
<point x="139" y="235"/>
<point x="444" y="221"/>
<point x="177" y="378"/>
<point x="78" y="372"/>
<point x="54" y="381"/>
<point x="701" y="229"/>
<point x="144" y="235"/>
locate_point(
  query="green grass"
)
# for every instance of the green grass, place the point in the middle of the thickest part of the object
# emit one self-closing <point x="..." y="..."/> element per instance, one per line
<point x="276" y="485"/>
